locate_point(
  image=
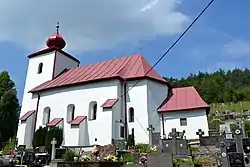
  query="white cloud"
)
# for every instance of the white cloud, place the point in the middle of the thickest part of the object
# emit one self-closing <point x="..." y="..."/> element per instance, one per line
<point x="88" y="24"/>
<point x="237" y="48"/>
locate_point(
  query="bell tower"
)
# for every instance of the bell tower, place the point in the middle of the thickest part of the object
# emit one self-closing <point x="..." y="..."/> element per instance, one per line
<point x="43" y="66"/>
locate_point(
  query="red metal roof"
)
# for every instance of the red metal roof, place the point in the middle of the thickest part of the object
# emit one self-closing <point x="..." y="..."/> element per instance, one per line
<point x="54" y="122"/>
<point x="109" y="103"/>
<point x="77" y="120"/>
<point x="27" y="115"/>
<point x="131" y="67"/>
<point x="185" y="98"/>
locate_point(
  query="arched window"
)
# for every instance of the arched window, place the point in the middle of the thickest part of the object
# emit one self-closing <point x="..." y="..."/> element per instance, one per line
<point x="40" y="68"/>
<point x="70" y="112"/>
<point x="46" y="115"/>
<point x="131" y="114"/>
<point x="92" y="110"/>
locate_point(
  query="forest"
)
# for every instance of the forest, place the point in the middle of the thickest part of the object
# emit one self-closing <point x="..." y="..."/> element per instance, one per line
<point x="220" y="86"/>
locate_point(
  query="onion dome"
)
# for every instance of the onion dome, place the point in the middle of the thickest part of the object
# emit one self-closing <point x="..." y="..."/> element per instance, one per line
<point x="56" y="40"/>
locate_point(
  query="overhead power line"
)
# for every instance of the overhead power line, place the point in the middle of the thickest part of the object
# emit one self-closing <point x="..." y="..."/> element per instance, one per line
<point x="171" y="47"/>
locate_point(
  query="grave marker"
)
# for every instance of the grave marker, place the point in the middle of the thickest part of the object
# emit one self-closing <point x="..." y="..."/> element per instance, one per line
<point x="53" y="152"/>
<point x="224" y="157"/>
<point x="173" y="135"/>
<point x="150" y="129"/>
<point x="238" y="139"/>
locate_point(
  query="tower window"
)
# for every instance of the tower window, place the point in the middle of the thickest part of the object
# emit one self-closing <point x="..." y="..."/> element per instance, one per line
<point x="131" y="114"/>
<point x="40" y="68"/>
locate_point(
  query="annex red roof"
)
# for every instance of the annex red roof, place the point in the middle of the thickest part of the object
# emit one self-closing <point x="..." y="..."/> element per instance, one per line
<point x="27" y="115"/>
<point x="54" y="122"/>
<point x="131" y="67"/>
<point x="185" y="98"/>
<point x="109" y="103"/>
<point x="77" y="120"/>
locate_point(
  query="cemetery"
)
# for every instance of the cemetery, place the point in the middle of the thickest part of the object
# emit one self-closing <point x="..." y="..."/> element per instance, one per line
<point x="222" y="150"/>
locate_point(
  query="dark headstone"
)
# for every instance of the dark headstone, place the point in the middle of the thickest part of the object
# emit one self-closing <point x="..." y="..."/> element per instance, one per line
<point x="60" y="153"/>
<point x="246" y="145"/>
<point x="223" y="155"/>
<point x="167" y="146"/>
<point x="236" y="160"/>
<point x="182" y="147"/>
<point x="156" y="136"/>
<point x="231" y="145"/>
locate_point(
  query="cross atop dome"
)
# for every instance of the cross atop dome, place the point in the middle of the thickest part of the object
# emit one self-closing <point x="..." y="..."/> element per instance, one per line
<point x="56" y="40"/>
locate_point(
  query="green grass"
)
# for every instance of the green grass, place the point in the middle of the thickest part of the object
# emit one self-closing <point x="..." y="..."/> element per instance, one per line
<point x="237" y="107"/>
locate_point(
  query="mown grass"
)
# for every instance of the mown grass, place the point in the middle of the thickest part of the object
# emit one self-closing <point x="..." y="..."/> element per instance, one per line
<point x="236" y="107"/>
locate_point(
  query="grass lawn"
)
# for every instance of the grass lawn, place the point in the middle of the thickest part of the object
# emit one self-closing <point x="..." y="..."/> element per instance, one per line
<point x="237" y="107"/>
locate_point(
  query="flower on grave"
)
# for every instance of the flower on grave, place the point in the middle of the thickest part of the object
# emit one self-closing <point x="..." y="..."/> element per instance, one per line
<point x="153" y="149"/>
<point x="95" y="151"/>
<point x="111" y="158"/>
<point x="85" y="158"/>
<point x="175" y="161"/>
<point x="143" y="160"/>
<point x="14" y="161"/>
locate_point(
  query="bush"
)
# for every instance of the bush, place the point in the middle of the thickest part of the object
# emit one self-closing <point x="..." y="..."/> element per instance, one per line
<point x="69" y="156"/>
<point x="54" y="132"/>
<point x="10" y="145"/>
<point x="39" y="139"/>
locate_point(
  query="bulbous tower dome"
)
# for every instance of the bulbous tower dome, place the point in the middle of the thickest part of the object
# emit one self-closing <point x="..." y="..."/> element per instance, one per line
<point x="56" y="40"/>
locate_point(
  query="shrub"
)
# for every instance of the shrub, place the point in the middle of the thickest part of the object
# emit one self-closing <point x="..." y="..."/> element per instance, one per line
<point x="54" y="132"/>
<point x="39" y="139"/>
<point x="69" y="156"/>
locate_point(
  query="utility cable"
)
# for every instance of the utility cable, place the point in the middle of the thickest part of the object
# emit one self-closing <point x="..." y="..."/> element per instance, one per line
<point x="170" y="48"/>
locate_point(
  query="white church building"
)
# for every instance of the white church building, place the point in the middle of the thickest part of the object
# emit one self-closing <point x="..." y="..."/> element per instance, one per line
<point x="100" y="103"/>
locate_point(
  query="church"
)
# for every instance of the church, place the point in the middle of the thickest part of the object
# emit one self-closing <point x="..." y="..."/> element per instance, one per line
<point x="103" y="102"/>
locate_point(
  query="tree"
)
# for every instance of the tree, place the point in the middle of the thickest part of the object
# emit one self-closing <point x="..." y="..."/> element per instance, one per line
<point x="53" y="132"/>
<point x="39" y="139"/>
<point x="218" y="87"/>
<point x="9" y="108"/>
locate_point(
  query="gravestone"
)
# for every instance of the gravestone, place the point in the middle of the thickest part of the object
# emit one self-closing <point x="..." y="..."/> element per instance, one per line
<point x="238" y="138"/>
<point x="231" y="145"/>
<point x="173" y="136"/>
<point x="246" y="145"/>
<point x="150" y="129"/>
<point x="236" y="160"/>
<point x="223" y="154"/>
<point x="53" y="151"/>
<point x="175" y="144"/>
<point x="107" y="150"/>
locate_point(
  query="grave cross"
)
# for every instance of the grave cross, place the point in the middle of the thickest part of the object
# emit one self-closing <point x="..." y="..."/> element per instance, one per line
<point x="238" y="138"/>
<point x="150" y="129"/>
<point x="53" y="152"/>
<point x="200" y="133"/>
<point x="223" y="156"/>
<point x="173" y="135"/>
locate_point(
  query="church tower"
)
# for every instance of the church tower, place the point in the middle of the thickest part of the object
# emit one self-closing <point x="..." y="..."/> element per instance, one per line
<point x="43" y="66"/>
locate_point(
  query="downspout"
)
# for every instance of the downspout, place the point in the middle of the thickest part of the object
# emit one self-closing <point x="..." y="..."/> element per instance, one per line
<point x="37" y="105"/>
<point x="163" y="127"/>
<point x="125" y="110"/>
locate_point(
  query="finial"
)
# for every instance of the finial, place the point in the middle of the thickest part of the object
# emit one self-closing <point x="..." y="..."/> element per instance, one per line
<point x="57" y="27"/>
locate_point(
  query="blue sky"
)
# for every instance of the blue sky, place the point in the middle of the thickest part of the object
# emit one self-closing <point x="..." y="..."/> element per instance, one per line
<point x="220" y="39"/>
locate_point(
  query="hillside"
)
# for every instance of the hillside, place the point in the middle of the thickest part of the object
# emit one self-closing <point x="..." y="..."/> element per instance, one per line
<point x="224" y="107"/>
<point x="220" y="86"/>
